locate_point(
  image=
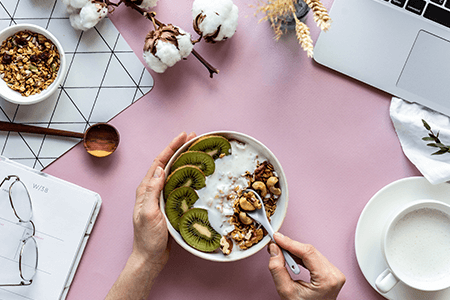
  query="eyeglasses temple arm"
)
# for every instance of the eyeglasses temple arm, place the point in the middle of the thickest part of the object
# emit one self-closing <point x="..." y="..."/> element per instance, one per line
<point x="22" y="283"/>
<point x="8" y="178"/>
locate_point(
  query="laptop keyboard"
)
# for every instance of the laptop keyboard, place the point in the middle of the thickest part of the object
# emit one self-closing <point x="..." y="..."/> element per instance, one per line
<point x="434" y="10"/>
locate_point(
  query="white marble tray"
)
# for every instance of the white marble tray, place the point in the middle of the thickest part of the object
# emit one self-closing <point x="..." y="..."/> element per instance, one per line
<point x="104" y="77"/>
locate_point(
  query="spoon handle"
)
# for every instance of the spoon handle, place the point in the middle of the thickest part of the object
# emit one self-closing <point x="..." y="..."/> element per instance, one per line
<point x="291" y="262"/>
<point x="7" y="126"/>
<point x="262" y="219"/>
<point x="287" y="257"/>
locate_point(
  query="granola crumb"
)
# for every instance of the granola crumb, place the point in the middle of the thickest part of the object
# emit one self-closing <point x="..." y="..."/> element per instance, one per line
<point x="29" y="62"/>
<point x="247" y="235"/>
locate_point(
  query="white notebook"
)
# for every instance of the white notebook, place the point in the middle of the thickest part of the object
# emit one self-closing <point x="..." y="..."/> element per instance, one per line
<point x="64" y="215"/>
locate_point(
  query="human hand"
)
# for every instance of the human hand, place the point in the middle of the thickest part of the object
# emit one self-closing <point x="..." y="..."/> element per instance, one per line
<point x="326" y="280"/>
<point x="151" y="239"/>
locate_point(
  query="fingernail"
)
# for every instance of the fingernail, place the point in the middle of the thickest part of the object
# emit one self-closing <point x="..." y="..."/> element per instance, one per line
<point x="278" y="234"/>
<point x="158" y="172"/>
<point x="273" y="249"/>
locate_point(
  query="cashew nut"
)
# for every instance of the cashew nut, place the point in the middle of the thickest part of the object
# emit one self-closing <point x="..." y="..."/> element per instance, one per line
<point x="271" y="185"/>
<point x="245" y="219"/>
<point x="245" y="204"/>
<point x="261" y="187"/>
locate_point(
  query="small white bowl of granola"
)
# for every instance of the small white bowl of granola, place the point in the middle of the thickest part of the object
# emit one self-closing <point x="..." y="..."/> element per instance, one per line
<point x="203" y="199"/>
<point x="32" y="64"/>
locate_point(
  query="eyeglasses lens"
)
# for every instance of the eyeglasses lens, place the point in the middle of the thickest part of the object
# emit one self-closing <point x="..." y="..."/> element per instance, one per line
<point x="28" y="259"/>
<point x="21" y="201"/>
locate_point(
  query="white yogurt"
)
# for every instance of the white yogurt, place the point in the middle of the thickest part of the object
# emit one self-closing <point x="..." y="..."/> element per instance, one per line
<point x="224" y="184"/>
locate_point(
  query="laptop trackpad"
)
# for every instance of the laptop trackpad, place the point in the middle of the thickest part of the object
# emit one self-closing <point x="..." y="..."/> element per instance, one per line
<point x="426" y="72"/>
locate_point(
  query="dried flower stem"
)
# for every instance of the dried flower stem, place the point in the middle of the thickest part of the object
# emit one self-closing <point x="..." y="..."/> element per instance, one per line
<point x="277" y="10"/>
<point x="210" y="68"/>
<point x="274" y="9"/>
<point x="148" y="15"/>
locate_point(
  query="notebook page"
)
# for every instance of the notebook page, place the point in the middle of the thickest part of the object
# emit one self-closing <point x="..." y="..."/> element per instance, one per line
<point x="62" y="214"/>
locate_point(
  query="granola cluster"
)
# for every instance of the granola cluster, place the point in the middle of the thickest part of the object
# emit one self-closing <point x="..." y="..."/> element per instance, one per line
<point x="246" y="232"/>
<point x="29" y="62"/>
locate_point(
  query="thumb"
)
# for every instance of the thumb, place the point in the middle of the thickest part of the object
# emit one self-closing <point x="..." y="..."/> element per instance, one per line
<point x="153" y="189"/>
<point x="280" y="275"/>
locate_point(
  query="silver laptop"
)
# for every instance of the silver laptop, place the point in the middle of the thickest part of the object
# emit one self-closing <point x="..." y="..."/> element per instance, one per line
<point x="399" y="46"/>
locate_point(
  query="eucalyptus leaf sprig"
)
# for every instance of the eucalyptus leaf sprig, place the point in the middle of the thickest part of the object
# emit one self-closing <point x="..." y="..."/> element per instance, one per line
<point x="435" y="138"/>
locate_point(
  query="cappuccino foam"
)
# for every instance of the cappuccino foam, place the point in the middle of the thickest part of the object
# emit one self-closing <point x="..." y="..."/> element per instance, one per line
<point x="419" y="245"/>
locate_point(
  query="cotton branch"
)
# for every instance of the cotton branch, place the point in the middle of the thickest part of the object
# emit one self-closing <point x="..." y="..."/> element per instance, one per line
<point x="157" y="24"/>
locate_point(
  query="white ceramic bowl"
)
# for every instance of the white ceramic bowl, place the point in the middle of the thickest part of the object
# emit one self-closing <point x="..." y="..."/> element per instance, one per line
<point x="15" y="97"/>
<point x="276" y="220"/>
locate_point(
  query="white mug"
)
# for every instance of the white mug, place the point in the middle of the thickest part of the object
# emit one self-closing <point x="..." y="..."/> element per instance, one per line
<point x="416" y="246"/>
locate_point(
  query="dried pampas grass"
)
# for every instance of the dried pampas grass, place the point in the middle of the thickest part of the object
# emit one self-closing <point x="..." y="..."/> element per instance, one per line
<point x="277" y="10"/>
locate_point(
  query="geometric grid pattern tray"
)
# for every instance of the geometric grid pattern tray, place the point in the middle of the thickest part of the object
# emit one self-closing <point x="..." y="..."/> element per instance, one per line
<point x="103" y="78"/>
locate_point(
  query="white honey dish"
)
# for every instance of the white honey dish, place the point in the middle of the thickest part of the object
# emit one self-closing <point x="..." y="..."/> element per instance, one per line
<point x="15" y="97"/>
<point x="276" y="220"/>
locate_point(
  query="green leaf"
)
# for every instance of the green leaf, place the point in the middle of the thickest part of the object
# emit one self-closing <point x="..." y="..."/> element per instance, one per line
<point x="439" y="152"/>
<point x="434" y="145"/>
<point x="426" y="125"/>
<point x="437" y="143"/>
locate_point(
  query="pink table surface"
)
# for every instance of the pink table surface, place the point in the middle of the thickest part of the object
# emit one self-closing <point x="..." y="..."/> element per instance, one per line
<point x="332" y="134"/>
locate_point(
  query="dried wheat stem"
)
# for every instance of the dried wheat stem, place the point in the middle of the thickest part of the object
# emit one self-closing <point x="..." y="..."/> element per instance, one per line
<point x="304" y="37"/>
<point x="321" y="16"/>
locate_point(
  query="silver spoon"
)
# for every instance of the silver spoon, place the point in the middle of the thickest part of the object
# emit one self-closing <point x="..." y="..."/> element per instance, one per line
<point x="259" y="215"/>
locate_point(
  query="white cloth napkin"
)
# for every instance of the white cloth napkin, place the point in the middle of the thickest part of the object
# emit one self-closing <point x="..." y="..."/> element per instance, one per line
<point x="407" y="119"/>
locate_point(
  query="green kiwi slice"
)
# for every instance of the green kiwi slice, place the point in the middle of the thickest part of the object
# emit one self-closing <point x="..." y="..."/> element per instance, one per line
<point x="214" y="145"/>
<point x="178" y="202"/>
<point x="197" y="231"/>
<point x="195" y="158"/>
<point x="184" y="176"/>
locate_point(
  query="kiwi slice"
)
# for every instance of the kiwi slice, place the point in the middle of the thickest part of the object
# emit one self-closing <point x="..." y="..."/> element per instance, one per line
<point x="178" y="202"/>
<point x="197" y="231"/>
<point x="184" y="176"/>
<point x="196" y="158"/>
<point x="214" y="145"/>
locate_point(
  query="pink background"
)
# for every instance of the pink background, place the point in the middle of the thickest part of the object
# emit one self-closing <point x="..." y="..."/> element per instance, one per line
<point x="332" y="134"/>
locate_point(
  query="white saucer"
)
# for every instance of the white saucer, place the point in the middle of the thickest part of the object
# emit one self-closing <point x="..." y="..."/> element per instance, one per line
<point x="372" y="221"/>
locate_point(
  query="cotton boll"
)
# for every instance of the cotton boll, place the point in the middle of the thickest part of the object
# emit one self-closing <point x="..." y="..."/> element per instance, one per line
<point x="229" y="25"/>
<point x="185" y="45"/>
<point x="215" y="20"/>
<point x="76" y="22"/>
<point x="76" y="3"/>
<point x="167" y="53"/>
<point x="154" y="62"/>
<point x="89" y="15"/>
<point x="166" y="46"/>
<point x="72" y="10"/>
<point x="74" y="6"/>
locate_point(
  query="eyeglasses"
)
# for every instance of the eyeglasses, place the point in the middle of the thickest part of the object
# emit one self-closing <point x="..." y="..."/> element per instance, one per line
<point x="20" y="201"/>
